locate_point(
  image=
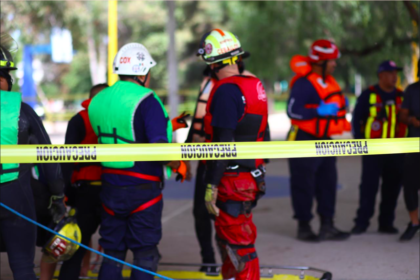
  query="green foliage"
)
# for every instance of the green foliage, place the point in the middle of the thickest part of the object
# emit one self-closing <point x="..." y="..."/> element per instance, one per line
<point x="367" y="32"/>
<point x="78" y="78"/>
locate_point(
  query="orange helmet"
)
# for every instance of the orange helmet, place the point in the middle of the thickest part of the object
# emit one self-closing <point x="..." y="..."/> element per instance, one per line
<point x="323" y="50"/>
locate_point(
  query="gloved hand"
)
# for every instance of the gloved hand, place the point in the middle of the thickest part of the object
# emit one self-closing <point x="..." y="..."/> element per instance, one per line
<point x="210" y="199"/>
<point x="327" y="109"/>
<point x="57" y="207"/>
<point x="179" y="122"/>
<point x="183" y="171"/>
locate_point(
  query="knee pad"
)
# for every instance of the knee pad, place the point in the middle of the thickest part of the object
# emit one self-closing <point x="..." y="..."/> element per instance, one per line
<point x="116" y="254"/>
<point x="148" y="259"/>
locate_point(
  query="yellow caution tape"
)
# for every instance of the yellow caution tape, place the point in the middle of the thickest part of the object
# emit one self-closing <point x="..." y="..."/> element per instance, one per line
<point x="205" y="151"/>
<point x="202" y="275"/>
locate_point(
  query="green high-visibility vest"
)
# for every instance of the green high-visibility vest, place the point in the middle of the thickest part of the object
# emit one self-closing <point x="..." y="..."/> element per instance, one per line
<point x="10" y="112"/>
<point x="111" y="114"/>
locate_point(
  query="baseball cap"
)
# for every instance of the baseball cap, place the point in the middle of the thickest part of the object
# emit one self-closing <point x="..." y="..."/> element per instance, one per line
<point x="388" y="65"/>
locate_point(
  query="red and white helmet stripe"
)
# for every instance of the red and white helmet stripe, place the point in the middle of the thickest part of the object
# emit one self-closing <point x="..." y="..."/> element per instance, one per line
<point x="323" y="50"/>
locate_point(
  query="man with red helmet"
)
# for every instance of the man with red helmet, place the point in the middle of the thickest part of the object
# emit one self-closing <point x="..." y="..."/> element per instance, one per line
<point x="236" y="111"/>
<point x="317" y="110"/>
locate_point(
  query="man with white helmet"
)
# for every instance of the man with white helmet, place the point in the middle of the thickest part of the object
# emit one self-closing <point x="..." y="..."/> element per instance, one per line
<point x="236" y="111"/>
<point x="128" y="112"/>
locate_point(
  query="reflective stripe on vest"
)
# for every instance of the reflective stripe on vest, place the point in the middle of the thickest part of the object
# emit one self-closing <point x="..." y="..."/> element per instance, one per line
<point x="382" y="121"/>
<point x="9" y="127"/>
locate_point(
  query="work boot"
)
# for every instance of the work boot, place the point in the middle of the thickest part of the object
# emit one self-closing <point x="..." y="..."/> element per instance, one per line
<point x="410" y="232"/>
<point x="357" y="230"/>
<point x="388" y="229"/>
<point x="305" y="232"/>
<point x="209" y="270"/>
<point x="329" y="232"/>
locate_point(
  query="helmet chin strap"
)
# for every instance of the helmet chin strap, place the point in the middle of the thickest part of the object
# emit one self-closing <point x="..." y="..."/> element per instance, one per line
<point x="216" y="70"/>
<point x="136" y="78"/>
<point x="219" y="66"/>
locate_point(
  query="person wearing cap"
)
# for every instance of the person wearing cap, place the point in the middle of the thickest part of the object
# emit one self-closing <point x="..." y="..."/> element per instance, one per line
<point x="83" y="185"/>
<point x="20" y="125"/>
<point x="410" y="115"/>
<point x="317" y="109"/>
<point x="236" y="112"/>
<point x="131" y="193"/>
<point x="202" y="218"/>
<point x="376" y="116"/>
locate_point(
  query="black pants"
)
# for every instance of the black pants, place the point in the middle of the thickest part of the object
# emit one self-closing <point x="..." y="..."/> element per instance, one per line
<point x="202" y="218"/>
<point x="390" y="169"/>
<point x="17" y="234"/>
<point x="411" y="181"/>
<point x="88" y="206"/>
<point x="313" y="178"/>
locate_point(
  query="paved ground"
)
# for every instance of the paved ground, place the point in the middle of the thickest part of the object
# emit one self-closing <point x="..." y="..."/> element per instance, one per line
<point x="370" y="256"/>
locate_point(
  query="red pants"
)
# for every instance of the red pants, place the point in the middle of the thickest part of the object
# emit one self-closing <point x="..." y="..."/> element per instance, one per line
<point x="237" y="230"/>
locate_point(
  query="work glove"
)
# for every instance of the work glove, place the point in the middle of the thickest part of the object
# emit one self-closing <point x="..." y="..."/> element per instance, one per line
<point x="180" y="121"/>
<point x="57" y="207"/>
<point x="327" y="109"/>
<point x="210" y="199"/>
<point x="183" y="171"/>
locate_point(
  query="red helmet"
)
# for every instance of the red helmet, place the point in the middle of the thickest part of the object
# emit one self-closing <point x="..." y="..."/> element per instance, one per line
<point x="323" y="50"/>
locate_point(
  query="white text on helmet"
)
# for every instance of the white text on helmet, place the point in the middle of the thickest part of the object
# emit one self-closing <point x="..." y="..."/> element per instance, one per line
<point x="227" y="49"/>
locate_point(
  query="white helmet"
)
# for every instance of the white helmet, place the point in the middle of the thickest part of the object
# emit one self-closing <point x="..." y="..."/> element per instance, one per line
<point x="133" y="59"/>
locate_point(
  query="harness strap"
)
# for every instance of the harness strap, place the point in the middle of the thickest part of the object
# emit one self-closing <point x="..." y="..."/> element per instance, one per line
<point x="332" y="94"/>
<point x="249" y="257"/>
<point x="21" y="168"/>
<point x="142" y="207"/>
<point x="132" y="174"/>
<point x="235" y="208"/>
<point x="147" y="204"/>
<point x="113" y="135"/>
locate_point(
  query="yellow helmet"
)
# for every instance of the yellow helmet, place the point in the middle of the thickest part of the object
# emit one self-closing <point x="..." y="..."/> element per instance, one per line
<point x="220" y="45"/>
<point x="60" y="249"/>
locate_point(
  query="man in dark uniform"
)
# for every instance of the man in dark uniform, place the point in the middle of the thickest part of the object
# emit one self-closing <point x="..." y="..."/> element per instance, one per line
<point x="83" y="185"/>
<point x="236" y="111"/>
<point x="376" y="116"/>
<point x="196" y="134"/>
<point x="21" y="125"/>
<point x="131" y="194"/>
<point x="317" y="109"/>
<point x="410" y="115"/>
